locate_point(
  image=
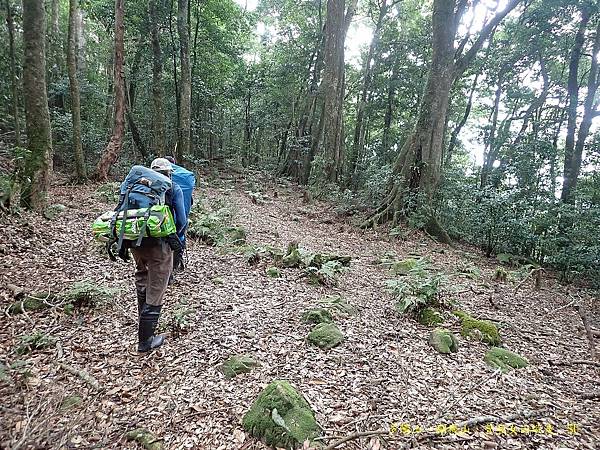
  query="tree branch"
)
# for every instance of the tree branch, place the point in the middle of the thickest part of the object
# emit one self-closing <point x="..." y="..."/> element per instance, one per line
<point x="463" y="62"/>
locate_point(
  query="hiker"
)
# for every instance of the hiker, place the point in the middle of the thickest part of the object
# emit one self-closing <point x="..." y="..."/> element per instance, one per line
<point x="186" y="180"/>
<point x="154" y="264"/>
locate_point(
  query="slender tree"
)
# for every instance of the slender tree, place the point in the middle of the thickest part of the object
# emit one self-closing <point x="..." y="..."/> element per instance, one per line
<point x="35" y="173"/>
<point x="574" y="148"/>
<point x="158" y="119"/>
<point x="13" y="74"/>
<point x="185" y="90"/>
<point x="113" y="148"/>
<point x="80" y="170"/>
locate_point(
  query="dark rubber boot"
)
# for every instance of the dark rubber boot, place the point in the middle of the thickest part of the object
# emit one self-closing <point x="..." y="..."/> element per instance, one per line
<point x="141" y="298"/>
<point x="148" y="321"/>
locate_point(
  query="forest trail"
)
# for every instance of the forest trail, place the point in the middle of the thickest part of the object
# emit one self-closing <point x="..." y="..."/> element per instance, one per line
<point x="384" y="372"/>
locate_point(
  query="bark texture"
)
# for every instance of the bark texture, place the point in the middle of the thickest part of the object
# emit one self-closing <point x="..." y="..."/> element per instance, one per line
<point x="185" y="90"/>
<point x="113" y="148"/>
<point x="34" y="176"/>
<point x="13" y="73"/>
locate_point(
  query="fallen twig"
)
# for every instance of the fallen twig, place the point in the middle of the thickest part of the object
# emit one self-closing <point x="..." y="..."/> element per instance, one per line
<point x="357" y="435"/>
<point x="574" y="362"/>
<point x="82" y="374"/>
<point x="589" y="395"/>
<point x="559" y="309"/>
<point x="588" y="330"/>
<point x="471" y="389"/>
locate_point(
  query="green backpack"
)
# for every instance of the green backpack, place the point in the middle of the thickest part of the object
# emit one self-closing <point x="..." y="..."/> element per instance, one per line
<point x="159" y="222"/>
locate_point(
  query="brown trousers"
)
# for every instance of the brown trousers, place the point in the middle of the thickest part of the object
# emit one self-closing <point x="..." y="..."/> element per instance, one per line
<point x="153" y="266"/>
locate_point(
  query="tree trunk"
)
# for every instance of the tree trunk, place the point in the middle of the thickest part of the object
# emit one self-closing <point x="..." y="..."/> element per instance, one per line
<point x="571" y="172"/>
<point x="489" y="153"/>
<point x="332" y="87"/>
<point x="80" y="170"/>
<point x="13" y="73"/>
<point x="185" y="90"/>
<point x="158" y="119"/>
<point x="112" y="150"/>
<point x="389" y="110"/>
<point x="417" y="169"/>
<point x="359" y="129"/>
<point x="34" y="176"/>
<point x="461" y="124"/>
<point x="131" y="96"/>
<point x="573" y="96"/>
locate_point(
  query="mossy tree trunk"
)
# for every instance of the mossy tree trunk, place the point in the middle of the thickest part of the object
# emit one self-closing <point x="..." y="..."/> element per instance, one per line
<point x="13" y="74"/>
<point x="158" y="118"/>
<point x="417" y="170"/>
<point x="34" y="175"/>
<point x="113" y="148"/>
<point x="80" y="170"/>
<point x="185" y="90"/>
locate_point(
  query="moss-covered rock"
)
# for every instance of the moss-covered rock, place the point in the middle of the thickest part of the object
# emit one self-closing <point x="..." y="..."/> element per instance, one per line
<point x="87" y="293"/>
<point x="144" y="438"/>
<point x="53" y="211"/>
<point x="237" y="364"/>
<point x="281" y="417"/>
<point x="504" y="359"/>
<point x="430" y="317"/>
<point x="443" y="341"/>
<point x="317" y="315"/>
<point x="484" y="330"/>
<point x="325" y="336"/>
<point x="273" y="272"/>
<point x="338" y="304"/>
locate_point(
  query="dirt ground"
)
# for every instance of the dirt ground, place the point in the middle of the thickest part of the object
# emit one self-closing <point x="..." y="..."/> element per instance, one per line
<point x="384" y="373"/>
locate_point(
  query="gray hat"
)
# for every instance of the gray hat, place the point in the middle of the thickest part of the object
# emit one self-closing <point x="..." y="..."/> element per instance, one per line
<point x="161" y="165"/>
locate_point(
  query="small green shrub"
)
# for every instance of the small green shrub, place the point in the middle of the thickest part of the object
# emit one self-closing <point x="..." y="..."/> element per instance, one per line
<point x="33" y="342"/>
<point x="108" y="193"/>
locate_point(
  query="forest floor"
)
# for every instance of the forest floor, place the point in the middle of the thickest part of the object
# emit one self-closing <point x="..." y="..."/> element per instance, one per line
<point x="384" y="372"/>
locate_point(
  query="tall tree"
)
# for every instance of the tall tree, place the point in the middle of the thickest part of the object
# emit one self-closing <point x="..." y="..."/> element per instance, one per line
<point x="80" y="170"/>
<point x="331" y="126"/>
<point x="185" y="89"/>
<point x="34" y="175"/>
<point x="113" y="148"/>
<point x="574" y="148"/>
<point x="359" y="128"/>
<point x="158" y="119"/>
<point x="417" y="168"/>
<point x="13" y="74"/>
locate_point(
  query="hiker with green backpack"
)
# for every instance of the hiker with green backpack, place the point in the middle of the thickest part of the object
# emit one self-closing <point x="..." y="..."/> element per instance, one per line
<point x="146" y="221"/>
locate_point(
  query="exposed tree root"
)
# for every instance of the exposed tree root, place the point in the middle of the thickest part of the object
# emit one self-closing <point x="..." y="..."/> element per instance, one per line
<point x="90" y="380"/>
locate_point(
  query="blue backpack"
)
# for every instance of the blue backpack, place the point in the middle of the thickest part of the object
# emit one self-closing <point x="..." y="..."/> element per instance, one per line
<point x="142" y="188"/>
<point x="186" y="181"/>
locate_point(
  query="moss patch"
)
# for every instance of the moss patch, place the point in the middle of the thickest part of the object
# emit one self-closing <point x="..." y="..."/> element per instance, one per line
<point x="317" y="315"/>
<point x="71" y="401"/>
<point x="145" y="438"/>
<point x="32" y="342"/>
<point x="32" y="302"/>
<point x="238" y="364"/>
<point x="280" y="417"/>
<point x="430" y="317"/>
<point x="325" y="336"/>
<point x="273" y="272"/>
<point x="484" y="330"/>
<point x="338" y="304"/>
<point x="504" y="359"/>
<point x="443" y="341"/>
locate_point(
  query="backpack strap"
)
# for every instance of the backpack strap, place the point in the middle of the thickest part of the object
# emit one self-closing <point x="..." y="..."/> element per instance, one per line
<point x="143" y="230"/>
<point x="114" y="219"/>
